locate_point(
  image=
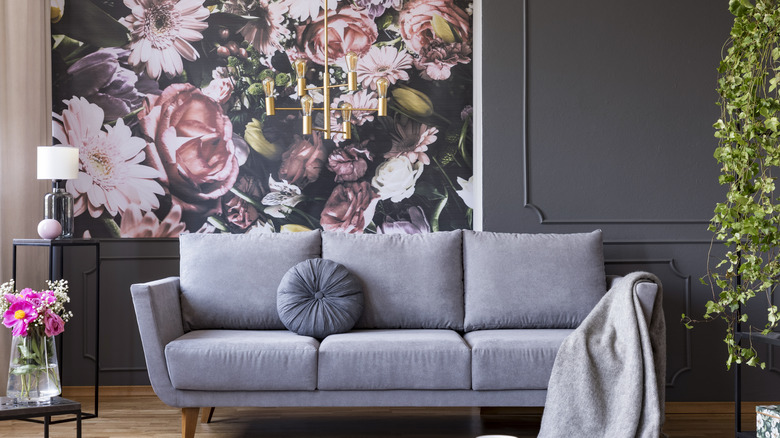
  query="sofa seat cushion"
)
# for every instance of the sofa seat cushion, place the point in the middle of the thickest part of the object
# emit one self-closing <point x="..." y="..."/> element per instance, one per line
<point x="513" y="359"/>
<point x="242" y="360"/>
<point x="394" y="359"/>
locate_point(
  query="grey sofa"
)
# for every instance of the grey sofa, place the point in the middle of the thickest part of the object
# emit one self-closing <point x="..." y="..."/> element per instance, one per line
<point x="458" y="318"/>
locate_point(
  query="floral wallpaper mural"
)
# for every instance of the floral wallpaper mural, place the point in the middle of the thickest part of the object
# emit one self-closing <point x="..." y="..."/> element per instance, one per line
<point x="164" y="99"/>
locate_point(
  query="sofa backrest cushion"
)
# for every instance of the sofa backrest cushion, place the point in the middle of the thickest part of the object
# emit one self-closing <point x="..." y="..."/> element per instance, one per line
<point x="515" y="281"/>
<point x="410" y="281"/>
<point x="229" y="281"/>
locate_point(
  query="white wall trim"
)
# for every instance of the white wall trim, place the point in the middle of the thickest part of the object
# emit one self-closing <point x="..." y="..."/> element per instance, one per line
<point x="477" y="116"/>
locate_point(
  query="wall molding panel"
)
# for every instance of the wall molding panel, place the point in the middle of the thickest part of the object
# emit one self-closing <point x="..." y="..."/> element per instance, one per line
<point x="685" y="285"/>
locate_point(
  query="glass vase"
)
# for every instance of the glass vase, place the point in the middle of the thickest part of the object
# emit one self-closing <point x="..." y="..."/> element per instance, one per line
<point x="33" y="375"/>
<point x="58" y="205"/>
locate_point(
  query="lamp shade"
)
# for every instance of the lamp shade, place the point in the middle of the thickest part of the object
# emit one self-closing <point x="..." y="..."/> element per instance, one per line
<point x="58" y="162"/>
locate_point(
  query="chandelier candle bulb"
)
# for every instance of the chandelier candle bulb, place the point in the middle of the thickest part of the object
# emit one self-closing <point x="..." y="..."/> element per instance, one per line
<point x="270" y="105"/>
<point x="300" y="72"/>
<point x="352" y="60"/>
<point x="381" y="88"/>
<point x="346" y="114"/>
<point x="307" y="103"/>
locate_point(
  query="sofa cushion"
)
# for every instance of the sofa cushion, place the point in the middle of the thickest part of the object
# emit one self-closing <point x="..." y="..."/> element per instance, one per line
<point x="229" y="281"/>
<point x="242" y="360"/>
<point x="319" y="297"/>
<point x="513" y="359"/>
<point x="394" y="359"/>
<point x="531" y="280"/>
<point x="409" y="281"/>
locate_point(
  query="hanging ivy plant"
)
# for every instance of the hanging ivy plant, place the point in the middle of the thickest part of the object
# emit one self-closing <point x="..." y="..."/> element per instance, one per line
<point x="749" y="154"/>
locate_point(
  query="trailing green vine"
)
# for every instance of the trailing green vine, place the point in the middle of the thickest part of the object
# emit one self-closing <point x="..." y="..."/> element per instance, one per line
<point x="748" y="152"/>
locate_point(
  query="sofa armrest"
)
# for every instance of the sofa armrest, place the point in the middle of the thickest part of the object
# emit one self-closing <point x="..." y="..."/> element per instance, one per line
<point x="645" y="291"/>
<point x="158" y="313"/>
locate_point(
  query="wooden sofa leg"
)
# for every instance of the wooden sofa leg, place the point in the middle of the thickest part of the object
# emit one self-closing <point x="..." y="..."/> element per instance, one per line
<point x="206" y="414"/>
<point x="189" y="421"/>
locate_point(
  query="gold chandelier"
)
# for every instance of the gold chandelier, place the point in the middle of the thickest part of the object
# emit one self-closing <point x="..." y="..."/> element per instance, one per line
<point x="307" y="102"/>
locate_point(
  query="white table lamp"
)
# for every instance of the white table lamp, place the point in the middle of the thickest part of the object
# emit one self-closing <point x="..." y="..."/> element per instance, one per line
<point x="58" y="163"/>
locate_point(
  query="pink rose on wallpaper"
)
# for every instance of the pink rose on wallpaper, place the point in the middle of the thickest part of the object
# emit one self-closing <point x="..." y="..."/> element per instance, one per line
<point x="416" y="22"/>
<point x="193" y="146"/>
<point x="350" y="30"/>
<point x="350" y="208"/>
<point x="237" y="210"/>
<point x="220" y="90"/>
<point x="349" y="163"/>
<point x="303" y="161"/>
<point x="437" y="58"/>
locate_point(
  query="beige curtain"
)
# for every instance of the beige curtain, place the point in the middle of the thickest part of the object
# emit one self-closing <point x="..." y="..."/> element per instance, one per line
<point x="25" y="122"/>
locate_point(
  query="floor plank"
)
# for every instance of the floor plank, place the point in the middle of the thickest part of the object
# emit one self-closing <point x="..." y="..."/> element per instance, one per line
<point x="139" y="416"/>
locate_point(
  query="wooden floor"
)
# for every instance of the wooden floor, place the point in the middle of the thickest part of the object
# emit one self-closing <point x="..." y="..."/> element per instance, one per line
<point x="138" y="414"/>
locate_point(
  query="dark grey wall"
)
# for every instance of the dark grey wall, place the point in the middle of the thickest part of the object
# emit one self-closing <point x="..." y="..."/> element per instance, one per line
<point x="611" y="128"/>
<point x="596" y="114"/>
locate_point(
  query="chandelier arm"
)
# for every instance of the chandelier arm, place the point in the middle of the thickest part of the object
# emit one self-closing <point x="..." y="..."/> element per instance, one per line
<point x="332" y="131"/>
<point x="331" y="110"/>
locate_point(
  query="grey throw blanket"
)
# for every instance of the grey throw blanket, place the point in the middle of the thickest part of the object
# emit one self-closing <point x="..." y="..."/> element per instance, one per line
<point x="608" y="379"/>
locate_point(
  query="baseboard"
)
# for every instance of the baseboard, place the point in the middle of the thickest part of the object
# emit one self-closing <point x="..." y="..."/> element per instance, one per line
<point x="518" y="410"/>
<point x="725" y="408"/>
<point x="107" y="391"/>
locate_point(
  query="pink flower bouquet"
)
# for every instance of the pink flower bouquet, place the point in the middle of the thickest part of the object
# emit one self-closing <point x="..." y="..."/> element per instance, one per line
<point x="34" y="318"/>
<point x="30" y="310"/>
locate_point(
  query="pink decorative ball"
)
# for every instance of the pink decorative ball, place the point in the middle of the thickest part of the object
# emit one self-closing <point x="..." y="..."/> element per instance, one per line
<point x="49" y="229"/>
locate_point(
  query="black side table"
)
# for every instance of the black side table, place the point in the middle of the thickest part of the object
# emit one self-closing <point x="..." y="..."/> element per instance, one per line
<point x="56" y="262"/>
<point x="58" y="406"/>
<point x="772" y="338"/>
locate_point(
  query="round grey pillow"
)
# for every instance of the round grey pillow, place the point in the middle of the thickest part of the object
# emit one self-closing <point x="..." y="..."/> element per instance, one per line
<point x="319" y="297"/>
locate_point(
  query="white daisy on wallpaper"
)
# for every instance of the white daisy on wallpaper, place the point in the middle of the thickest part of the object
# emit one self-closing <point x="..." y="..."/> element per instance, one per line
<point x="161" y="32"/>
<point x="111" y="177"/>
<point x="303" y="10"/>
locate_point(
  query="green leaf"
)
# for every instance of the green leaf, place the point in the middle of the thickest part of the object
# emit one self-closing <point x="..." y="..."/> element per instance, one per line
<point x="738" y="7"/>
<point x="85" y="22"/>
<point x="218" y="224"/>
<point x="437" y="213"/>
<point x="428" y="191"/>
<point x="772" y="124"/>
<point x="24" y="369"/>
